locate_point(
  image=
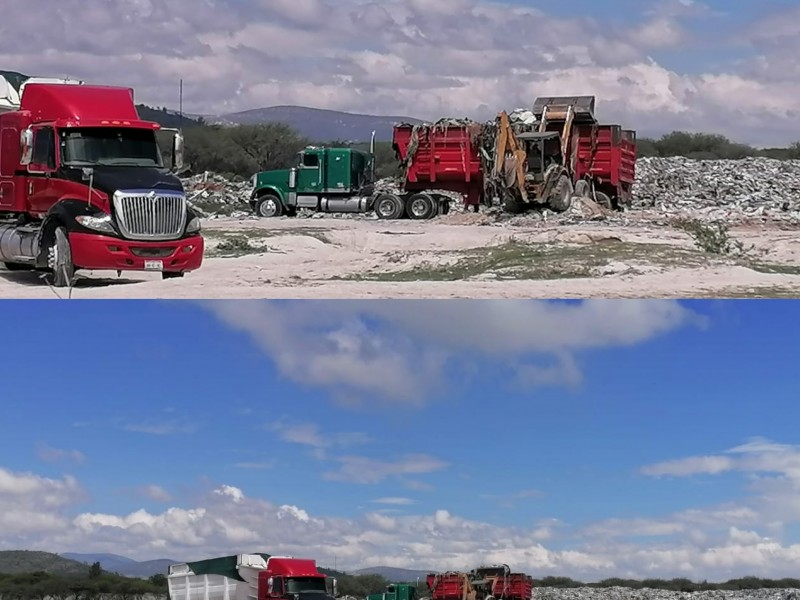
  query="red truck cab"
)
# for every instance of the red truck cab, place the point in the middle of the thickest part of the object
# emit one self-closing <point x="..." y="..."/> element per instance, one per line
<point x="83" y="185"/>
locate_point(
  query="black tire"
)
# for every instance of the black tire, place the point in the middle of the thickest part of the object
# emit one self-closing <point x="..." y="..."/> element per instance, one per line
<point x="389" y="206"/>
<point x="603" y="200"/>
<point x="60" y="259"/>
<point x="268" y="205"/>
<point x="420" y="207"/>
<point x="17" y="267"/>
<point x="512" y="204"/>
<point x="171" y="274"/>
<point x="583" y="189"/>
<point x="561" y="196"/>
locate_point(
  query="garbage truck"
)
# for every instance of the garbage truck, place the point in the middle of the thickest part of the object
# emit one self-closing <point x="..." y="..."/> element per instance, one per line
<point x="396" y="591"/>
<point x="249" y="577"/>
<point x="83" y="184"/>
<point x="439" y="163"/>
<point x="487" y="582"/>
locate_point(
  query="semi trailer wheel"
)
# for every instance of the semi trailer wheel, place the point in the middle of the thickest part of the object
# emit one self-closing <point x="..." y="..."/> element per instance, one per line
<point x="60" y="259"/>
<point x="603" y="200"/>
<point x="389" y="206"/>
<point x="561" y="196"/>
<point x="583" y="189"/>
<point x="420" y="207"/>
<point x="269" y="205"/>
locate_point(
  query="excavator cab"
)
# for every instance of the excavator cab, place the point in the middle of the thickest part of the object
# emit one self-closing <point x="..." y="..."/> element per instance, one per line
<point x="542" y="149"/>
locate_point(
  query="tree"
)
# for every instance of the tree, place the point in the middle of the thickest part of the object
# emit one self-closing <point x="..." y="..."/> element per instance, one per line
<point x="158" y="580"/>
<point x="95" y="570"/>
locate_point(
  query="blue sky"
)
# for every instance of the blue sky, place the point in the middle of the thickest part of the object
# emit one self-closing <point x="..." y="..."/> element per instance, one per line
<point x="724" y="66"/>
<point x="387" y="431"/>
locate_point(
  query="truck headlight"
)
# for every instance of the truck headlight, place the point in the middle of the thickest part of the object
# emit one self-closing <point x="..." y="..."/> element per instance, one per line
<point x="102" y="223"/>
<point x="193" y="226"/>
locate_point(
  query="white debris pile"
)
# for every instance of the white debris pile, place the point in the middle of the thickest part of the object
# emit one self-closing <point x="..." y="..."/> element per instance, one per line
<point x="214" y="195"/>
<point x="751" y="187"/>
<point x="620" y="593"/>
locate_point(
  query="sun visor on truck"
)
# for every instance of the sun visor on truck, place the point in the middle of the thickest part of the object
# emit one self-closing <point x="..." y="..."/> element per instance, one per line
<point x="224" y="565"/>
<point x="9" y="96"/>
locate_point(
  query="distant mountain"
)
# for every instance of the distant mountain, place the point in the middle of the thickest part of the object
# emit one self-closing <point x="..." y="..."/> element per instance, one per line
<point x="167" y="118"/>
<point x="394" y="574"/>
<point x="30" y="561"/>
<point x="318" y="124"/>
<point x="114" y="563"/>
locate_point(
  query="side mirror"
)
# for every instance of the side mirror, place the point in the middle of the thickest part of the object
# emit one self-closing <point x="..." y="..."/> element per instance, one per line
<point x="330" y="584"/>
<point x="26" y="146"/>
<point x="177" y="152"/>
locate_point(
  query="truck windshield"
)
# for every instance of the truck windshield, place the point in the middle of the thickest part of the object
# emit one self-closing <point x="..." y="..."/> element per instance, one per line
<point x="304" y="585"/>
<point x="110" y="147"/>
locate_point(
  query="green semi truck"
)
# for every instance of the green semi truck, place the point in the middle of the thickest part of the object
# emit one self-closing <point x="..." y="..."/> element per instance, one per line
<point x="439" y="161"/>
<point x="396" y="591"/>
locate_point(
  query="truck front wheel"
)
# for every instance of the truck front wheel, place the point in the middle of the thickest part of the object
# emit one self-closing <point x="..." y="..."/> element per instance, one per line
<point x="269" y="205"/>
<point x="389" y="206"/>
<point x="60" y="259"/>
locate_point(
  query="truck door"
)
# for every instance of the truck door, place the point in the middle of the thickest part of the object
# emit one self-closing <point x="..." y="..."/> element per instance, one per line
<point x="9" y="159"/>
<point x="309" y="174"/>
<point x="42" y="192"/>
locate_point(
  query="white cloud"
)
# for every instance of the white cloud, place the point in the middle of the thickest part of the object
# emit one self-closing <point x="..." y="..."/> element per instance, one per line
<point x="394" y="501"/>
<point x="160" y="427"/>
<point x="49" y="454"/>
<point x="155" y="493"/>
<point x="411" y="57"/>
<point x="402" y="360"/>
<point x="712" y="542"/>
<point x="362" y="469"/>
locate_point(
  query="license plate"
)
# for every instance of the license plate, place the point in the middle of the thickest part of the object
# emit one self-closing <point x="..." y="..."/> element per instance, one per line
<point x="154" y="265"/>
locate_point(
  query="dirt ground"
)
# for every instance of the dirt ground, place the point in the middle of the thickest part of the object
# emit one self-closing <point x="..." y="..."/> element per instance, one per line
<point x="456" y="256"/>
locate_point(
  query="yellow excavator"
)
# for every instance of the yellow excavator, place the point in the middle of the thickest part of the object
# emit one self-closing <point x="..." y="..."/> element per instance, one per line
<point x="532" y="165"/>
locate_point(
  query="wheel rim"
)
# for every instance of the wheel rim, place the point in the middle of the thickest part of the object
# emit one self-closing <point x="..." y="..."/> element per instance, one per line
<point x="268" y="208"/>
<point x="419" y="207"/>
<point x="386" y="206"/>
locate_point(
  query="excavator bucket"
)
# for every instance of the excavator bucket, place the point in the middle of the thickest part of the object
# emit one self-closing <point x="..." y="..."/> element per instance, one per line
<point x="557" y="107"/>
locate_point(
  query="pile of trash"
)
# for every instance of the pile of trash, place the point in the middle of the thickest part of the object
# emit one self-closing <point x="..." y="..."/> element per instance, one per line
<point x="620" y="593"/>
<point x="213" y="195"/>
<point x="719" y="189"/>
<point x="731" y="190"/>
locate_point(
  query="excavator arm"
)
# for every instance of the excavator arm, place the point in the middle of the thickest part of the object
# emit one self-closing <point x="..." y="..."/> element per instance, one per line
<point x="507" y="147"/>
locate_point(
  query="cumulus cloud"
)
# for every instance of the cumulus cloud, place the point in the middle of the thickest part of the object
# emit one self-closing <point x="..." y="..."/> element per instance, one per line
<point x="716" y="542"/>
<point x="395" y="352"/>
<point x="412" y="57"/>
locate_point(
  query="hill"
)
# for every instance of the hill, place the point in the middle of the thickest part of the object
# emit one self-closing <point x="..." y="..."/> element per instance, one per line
<point x="319" y="124"/>
<point x="394" y="574"/>
<point x="166" y="118"/>
<point x="30" y="561"/>
<point x="114" y="563"/>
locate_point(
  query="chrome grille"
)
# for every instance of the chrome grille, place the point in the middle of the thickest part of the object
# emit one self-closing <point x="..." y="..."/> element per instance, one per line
<point x="149" y="215"/>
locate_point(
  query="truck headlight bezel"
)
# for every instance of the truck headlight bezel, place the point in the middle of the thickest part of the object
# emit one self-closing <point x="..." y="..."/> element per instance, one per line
<point x="102" y="223"/>
<point x="193" y="226"/>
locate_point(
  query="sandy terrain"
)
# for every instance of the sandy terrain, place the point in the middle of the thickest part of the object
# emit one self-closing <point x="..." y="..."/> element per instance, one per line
<point x="457" y="256"/>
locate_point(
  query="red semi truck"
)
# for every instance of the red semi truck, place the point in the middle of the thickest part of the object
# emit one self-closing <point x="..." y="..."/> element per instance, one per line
<point x="83" y="186"/>
<point x="249" y="577"/>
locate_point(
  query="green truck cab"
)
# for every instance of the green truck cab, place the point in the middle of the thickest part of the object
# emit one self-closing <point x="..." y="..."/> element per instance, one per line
<point x="396" y="591"/>
<point x="324" y="179"/>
